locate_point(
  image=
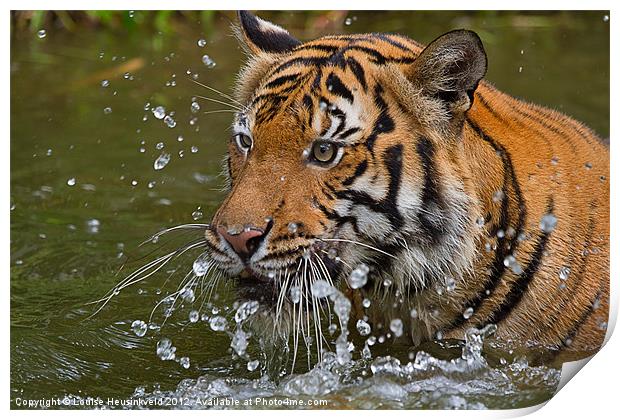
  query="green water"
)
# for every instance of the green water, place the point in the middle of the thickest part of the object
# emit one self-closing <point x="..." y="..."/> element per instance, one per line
<point x="70" y="244"/>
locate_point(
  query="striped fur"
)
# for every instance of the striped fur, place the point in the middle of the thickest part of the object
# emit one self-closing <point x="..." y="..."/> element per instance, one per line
<point x="425" y="154"/>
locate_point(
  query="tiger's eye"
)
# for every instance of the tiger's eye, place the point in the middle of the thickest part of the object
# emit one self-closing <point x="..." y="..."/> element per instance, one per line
<point x="324" y="152"/>
<point x="243" y="141"/>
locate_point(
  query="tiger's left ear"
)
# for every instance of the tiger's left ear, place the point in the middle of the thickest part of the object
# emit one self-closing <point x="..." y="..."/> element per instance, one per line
<point x="450" y="68"/>
<point x="261" y="36"/>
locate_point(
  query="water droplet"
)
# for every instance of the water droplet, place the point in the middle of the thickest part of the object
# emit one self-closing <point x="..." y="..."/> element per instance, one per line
<point x="41" y="33"/>
<point x="588" y="165"/>
<point x="387" y="282"/>
<point x="193" y="149"/>
<point x="480" y="222"/>
<point x="161" y="161"/>
<point x="139" y="328"/>
<point x="239" y="342"/>
<point x="105" y="83"/>
<point x="201" y="265"/>
<point x="170" y="122"/>
<point x="292" y="227"/>
<point x="606" y="18"/>
<point x="107" y="110"/>
<point x="397" y="327"/>
<point x="468" y="313"/>
<point x="92" y="226"/>
<point x="159" y="112"/>
<point x="295" y="294"/>
<point x="363" y="327"/>
<point x="207" y="61"/>
<point x="71" y="182"/>
<point x="202" y="42"/>
<point x="498" y="196"/>
<point x="165" y="350"/>
<point x="548" y="223"/>
<point x="218" y="323"/>
<point x="348" y="21"/>
<point x="197" y="214"/>
<point x="564" y="273"/>
<point x="194" y="316"/>
<point x="188" y="295"/>
<point x="252" y="365"/>
<point x="366" y="303"/>
<point x="520" y="69"/>
<point x="321" y="289"/>
<point x="195" y="107"/>
<point x="246" y="310"/>
<point x="450" y="284"/>
<point x="414" y="313"/>
<point x="359" y="276"/>
<point x="554" y="160"/>
<point x="184" y="361"/>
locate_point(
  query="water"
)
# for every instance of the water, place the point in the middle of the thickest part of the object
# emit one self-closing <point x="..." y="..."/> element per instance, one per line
<point x="73" y="164"/>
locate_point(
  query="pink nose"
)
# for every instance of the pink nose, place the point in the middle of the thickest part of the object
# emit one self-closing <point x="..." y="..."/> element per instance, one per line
<point x="240" y="242"/>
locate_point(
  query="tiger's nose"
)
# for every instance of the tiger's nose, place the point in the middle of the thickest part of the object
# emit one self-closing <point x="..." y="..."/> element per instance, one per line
<point x="246" y="242"/>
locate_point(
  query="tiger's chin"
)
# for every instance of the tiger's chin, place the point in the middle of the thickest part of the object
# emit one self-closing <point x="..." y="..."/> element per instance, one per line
<point x="283" y="284"/>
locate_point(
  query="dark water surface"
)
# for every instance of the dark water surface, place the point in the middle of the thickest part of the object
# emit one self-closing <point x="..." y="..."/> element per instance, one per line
<point x="69" y="242"/>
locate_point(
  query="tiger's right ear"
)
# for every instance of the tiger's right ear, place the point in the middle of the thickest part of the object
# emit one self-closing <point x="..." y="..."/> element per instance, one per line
<point x="261" y="36"/>
<point x="450" y="68"/>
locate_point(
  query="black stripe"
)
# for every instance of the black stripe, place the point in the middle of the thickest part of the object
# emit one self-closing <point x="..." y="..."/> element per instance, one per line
<point x="378" y="58"/>
<point x="534" y="118"/>
<point x="335" y="86"/>
<point x="358" y="72"/>
<point x="348" y="132"/>
<point x="388" y="38"/>
<point x="488" y="107"/>
<point x="384" y="123"/>
<point x="340" y="220"/>
<point x="504" y="246"/>
<point x="309" y="105"/>
<point x="520" y="285"/>
<point x="319" y="47"/>
<point x="388" y="206"/>
<point x="282" y="80"/>
<point x="431" y="195"/>
<point x="306" y="61"/>
<point x="359" y="171"/>
<point x="341" y="125"/>
<point x="566" y="341"/>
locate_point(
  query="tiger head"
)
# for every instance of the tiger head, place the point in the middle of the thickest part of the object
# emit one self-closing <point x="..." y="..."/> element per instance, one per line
<point x="347" y="151"/>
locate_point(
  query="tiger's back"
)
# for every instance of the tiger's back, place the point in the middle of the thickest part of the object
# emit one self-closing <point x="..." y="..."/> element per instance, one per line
<point x="548" y="164"/>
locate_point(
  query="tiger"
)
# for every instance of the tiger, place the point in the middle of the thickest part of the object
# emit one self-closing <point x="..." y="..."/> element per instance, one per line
<point x="453" y="205"/>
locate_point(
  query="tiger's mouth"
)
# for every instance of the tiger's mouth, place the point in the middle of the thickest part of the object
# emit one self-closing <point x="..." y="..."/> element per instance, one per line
<point x="269" y="285"/>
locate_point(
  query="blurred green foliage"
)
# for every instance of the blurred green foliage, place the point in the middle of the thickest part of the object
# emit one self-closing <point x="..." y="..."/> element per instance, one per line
<point x="161" y="20"/>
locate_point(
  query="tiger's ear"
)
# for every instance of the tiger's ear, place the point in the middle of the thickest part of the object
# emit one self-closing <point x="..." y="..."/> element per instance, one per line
<point x="450" y="68"/>
<point x="261" y="36"/>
